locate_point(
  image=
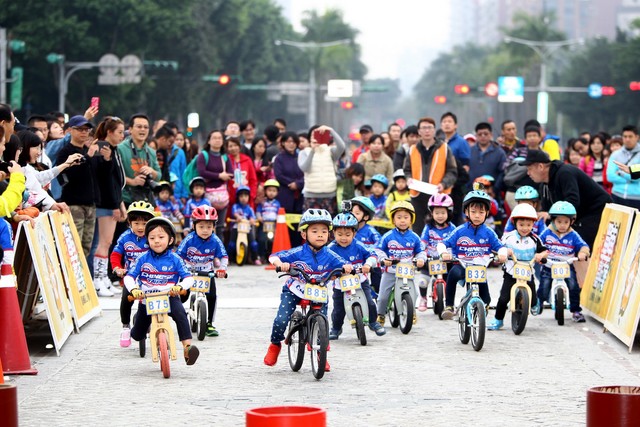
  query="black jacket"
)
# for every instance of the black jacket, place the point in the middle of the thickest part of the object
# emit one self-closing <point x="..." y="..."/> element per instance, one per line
<point x="111" y="180"/>
<point x="79" y="184"/>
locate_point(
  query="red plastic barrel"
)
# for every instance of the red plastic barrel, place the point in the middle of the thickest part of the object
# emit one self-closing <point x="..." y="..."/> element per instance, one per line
<point x="613" y="406"/>
<point x="287" y="416"/>
<point x="8" y="405"/>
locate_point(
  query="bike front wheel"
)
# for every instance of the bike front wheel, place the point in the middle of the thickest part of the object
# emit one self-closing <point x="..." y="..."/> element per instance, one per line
<point x="357" y="317"/>
<point x="464" y="332"/>
<point x="192" y="313"/>
<point x="202" y="320"/>
<point x="406" y="313"/>
<point x="164" y="354"/>
<point x="560" y="306"/>
<point x="319" y="341"/>
<point x="478" y="325"/>
<point x="241" y="254"/>
<point x="438" y="301"/>
<point x="521" y="312"/>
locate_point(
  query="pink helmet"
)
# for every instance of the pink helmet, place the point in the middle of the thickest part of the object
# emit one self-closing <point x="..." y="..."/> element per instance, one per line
<point x="440" y="200"/>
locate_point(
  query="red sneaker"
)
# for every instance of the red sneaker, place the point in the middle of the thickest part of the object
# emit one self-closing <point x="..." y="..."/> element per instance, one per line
<point x="272" y="354"/>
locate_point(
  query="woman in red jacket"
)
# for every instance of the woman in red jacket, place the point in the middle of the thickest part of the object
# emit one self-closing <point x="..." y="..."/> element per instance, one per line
<point x="243" y="170"/>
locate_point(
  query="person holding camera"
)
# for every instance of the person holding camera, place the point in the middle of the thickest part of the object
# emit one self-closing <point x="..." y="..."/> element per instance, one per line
<point x="140" y="163"/>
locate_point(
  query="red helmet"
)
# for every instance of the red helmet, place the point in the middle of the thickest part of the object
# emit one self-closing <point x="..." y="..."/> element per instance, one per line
<point x="204" y="213"/>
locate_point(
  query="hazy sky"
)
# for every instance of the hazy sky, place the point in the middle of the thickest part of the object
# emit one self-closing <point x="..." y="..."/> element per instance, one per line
<point x="399" y="38"/>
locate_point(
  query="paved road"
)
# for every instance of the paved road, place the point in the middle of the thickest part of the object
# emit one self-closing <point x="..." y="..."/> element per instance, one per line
<point x="427" y="377"/>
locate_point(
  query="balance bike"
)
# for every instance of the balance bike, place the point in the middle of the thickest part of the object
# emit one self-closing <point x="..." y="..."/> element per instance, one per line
<point x="520" y="301"/>
<point x="403" y="295"/>
<point x="559" y="298"/>
<point x="355" y="304"/>
<point x="437" y="270"/>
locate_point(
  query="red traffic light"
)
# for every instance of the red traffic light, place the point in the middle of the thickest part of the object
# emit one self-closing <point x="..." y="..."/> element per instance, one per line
<point x="608" y="90"/>
<point x="461" y="89"/>
<point x="634" y="86"/>
<point x="224" y="79"/>
<point x="491" y="89"/>
<point x="440" y="99"/>
<point x="346" y="105"/>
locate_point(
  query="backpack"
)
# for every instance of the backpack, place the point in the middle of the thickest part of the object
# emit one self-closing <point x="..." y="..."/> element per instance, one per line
<point x="514" y="173"/>
<point x="192" y="169"/>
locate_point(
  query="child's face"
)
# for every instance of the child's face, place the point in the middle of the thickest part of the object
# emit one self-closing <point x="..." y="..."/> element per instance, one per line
<point x="615" y="146"/>
<point x="402" y="220"/>
<point x="204" y="229"/>
<point x="533" y="140"/>
<point x="562" y="223"/>
<point x="357" y="179"/>
<point x="164" y="195"/>
<point x="138" y="227"/>
<point x="316" y="234"/>
<point x="344" y="236"/>
<point x="439" y="215"/>
<point x="401" y="184"/>
<point x="271" y="192"/>
<point x="358" y="213"/>
<point x="159" y="240"/>
<point x="198" y="191"/>
<point x="477" y="214"/>
<point x="524" y="226"/>
<point x="377" y="189"/>
<point x="243" y="198"/>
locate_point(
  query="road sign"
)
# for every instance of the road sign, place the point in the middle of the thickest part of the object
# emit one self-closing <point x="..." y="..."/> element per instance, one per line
<point x="17" y="74"/>
<point x="340" y="88"/>
<point x="491" y="89"/>
<point x="510" y="89"/>
<point x="543" y="107"/>
<point x="595" y="90"/>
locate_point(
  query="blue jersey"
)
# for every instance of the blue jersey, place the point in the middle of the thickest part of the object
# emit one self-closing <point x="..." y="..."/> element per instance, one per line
<point x="431" y="236"/>
<point x="131" y="247"/>
<point x="400" y="245"/>
<point x="199" y="253"/>
<point x="524" y="247"/>
<point x="355" y="254"/>
<point x="158" y="273"/>
<point x="368" y="235"/>
<point x="191" y="206"/>
<point x="169" y="210"/>
<point x="468" y="242"/>
<point x="245" y="211"/>
<point x="538" y="227"/>
<point x="316" y="264"/>
<point x="269" y="210"/>
<point x="563" y="247"/>
<point x="380" y="205"/>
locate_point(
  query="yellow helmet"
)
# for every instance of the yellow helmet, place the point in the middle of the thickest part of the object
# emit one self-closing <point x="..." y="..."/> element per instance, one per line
<point x="141" y="207"/>
<point x="403" y="205"/>
<point x="271" y="183"/>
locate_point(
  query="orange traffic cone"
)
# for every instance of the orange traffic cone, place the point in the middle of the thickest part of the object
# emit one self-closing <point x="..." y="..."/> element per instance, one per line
<point x="13" y="343"/>
<point x="281" y="240"/>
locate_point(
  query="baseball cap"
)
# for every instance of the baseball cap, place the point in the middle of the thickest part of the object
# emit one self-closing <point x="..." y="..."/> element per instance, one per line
<point x="77" y="121"/>
<point x="535" y="156"/>
<point x="366" y="128"/>
<point x="469" y="136"/>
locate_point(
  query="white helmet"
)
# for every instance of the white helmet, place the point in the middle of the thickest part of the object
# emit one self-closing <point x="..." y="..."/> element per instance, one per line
<point x="524" y="210"/>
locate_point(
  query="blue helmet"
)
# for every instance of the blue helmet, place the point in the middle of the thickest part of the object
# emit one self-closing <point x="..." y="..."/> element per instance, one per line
<point x="381" y="179"/>
<point x="527" y="192"/>
<point x="366" y="204"/>
<point x="562" y="208"/>
<point x="476" y="196"/>
<point x="345" y="220"/>
<point x="241" y="189"/>
<point x="314" y="216"/>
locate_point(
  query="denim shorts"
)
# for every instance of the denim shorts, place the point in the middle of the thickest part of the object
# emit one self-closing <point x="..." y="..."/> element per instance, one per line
<point x="102" y="212"/>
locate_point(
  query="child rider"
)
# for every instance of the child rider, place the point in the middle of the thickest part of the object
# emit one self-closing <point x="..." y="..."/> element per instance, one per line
<point x="204" y="252"/>
<point x="525" y="246"/>
<point x="197" y="188"/>
<point x="359" y="255"/>
<point x="159" y="270"/>
<point x="470" y="240"/>
<point x="362" y="208"/>
<point x="315" y="259"/>
<point x="240" y="211"/>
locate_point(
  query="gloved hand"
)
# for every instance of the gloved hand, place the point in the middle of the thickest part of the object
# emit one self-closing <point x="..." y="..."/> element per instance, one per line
<point x="136" y="293"/>
<point x="175" y="290"/>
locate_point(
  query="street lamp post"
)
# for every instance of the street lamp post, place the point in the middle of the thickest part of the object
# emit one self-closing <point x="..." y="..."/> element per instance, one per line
<point x="310" y="48"/>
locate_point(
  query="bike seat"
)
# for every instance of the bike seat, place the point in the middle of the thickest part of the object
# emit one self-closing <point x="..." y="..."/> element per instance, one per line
<point x="304" y="303"/>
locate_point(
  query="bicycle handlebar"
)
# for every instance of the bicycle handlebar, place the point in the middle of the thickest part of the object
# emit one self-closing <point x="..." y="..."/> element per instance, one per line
<point x="211" y="273"/>
<point x="297" y="272"/>
<point x="154" y="294"/>
<point x="398" y="261"/>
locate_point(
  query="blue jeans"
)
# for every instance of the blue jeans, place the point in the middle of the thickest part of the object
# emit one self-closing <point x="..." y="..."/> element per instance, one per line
<point x="456" y="274"/>
<point x="288" y="302"/>
<point x="177" y="313"/>
<point x="338" y="312"/>
<point x="572" y="283"/>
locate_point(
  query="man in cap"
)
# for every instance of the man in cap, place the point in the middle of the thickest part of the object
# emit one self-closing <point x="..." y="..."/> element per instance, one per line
<point x="365" y="135"/>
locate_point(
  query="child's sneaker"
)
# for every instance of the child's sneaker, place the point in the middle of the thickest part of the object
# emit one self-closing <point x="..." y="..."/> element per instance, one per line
<point x="272" y="354"/>
<point x="191" y="354"/>
<point x="257" y="261"/>
<point x="333" y="334"/>
<point x="422" y="305"/>
<point x="211" y="331"/>
<point x="380" y="319"/>
<point x="536" y="309"/>
<point x="448" y="313"/>
<point x="495" y="325"/>
<point x="578" y="317"/>
<point x="415" y="317"/>
<point x="377" y="328"/>
<point x="125" y="337"/>
<point x="104" y="292"/>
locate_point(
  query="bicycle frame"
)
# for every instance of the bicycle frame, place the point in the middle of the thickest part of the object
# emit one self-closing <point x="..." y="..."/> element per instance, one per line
<point x="521" y="282"/>
<point x="473" y="292"/>
<point x="402" y="285"/>
<point x="159" y="322"/>
<point x="559" y="282"/>
<point x="354" y="297"/>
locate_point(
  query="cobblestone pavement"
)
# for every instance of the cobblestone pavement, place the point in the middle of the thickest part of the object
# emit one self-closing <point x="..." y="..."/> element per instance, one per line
<point x="426" y="377"/>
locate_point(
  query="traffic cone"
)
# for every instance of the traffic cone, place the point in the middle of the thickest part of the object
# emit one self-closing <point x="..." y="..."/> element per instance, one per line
<point x="13" y="343"/>
<point x="281" y="240"/>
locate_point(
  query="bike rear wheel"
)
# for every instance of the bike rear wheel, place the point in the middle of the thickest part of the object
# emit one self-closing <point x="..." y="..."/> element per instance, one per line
<point x="560" y="306"/>
<point x="464" y="332"/>
<point x="164" y="354"/>
<point x="319" y="341"/>
<point x="357" y="316"/>
<point x="478" y="325"/>
<point x="438" y="301"/>
<point x="406" y="313"/>
<point x="521" y="312"/>
<point x="202" y="320"/>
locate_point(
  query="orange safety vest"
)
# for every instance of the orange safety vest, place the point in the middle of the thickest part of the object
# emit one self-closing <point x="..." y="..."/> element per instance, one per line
<point x="436" y="171"/>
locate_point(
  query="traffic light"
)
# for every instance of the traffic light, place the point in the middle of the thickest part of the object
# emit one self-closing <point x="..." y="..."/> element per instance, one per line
<point x="461" y="89"/>
<point x="634" y="86"/>
<point x="440" y="99"/>
<point x="17" y="46"/>
<point x="608" y="90"/>
<point x="55" y="58"/>
<point x="189" y="132"/>
<point x="224" y="79"/>
<point x="346" y="105"/>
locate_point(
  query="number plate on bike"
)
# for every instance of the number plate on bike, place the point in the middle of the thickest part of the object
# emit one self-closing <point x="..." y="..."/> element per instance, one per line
<point x="201" y="284"/>
<point x="404" y="270"/>
<point x="244" y="227"/>
<point x="158" y="305"/>
<point x="315" y="293"/>
<point x="269" y="227"/>
<point x="437" y="267"/>
<point x="560" y="270"/>
<point x="522" y="271"/>
<point x="349" y="282"/>
<point x="476" y="274"/>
